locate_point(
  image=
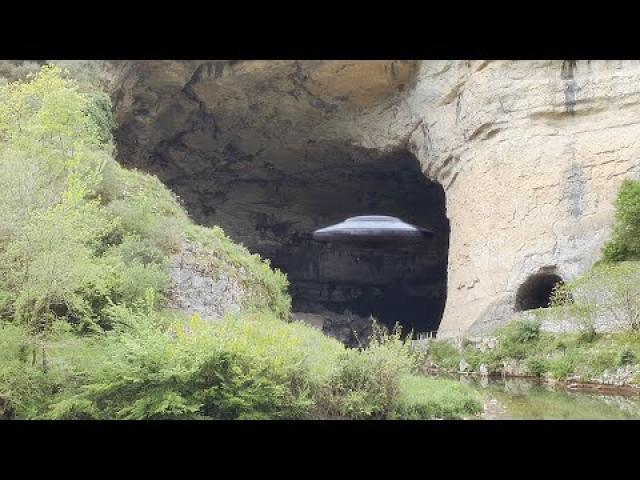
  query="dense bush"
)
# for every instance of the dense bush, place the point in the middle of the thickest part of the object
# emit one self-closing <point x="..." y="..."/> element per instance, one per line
<point x="518" y="339"/>
<point x="610" y="290"/>
<point x="240" y="369"/>
<point x="365" y="383"/>
<point x="537" y="366"/>
<point x="443" y="354"/>
<point x="78" y="232"/>
<point x="627" y="357"/>
<point x="625" y="244"/>
<point x="35" y="369"/>
<point x="562" y="366"/>
<point x="59" y="257"/>
<point x="523" y="331"/>
<point x="154" y="366"/>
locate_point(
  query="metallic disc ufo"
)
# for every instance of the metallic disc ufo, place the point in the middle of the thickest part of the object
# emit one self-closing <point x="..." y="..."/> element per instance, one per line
<point x="372" y="228"/>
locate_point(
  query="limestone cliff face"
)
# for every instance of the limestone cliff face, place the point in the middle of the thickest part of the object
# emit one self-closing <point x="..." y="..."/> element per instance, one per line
<point x="529" y="155"/>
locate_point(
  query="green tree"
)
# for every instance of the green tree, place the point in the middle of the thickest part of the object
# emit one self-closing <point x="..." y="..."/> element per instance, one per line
<point x="625" y="244"/>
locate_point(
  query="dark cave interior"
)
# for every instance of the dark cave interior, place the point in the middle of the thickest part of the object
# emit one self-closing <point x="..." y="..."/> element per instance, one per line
<point x="274" y="203"/>
<point x="536" y="291"/>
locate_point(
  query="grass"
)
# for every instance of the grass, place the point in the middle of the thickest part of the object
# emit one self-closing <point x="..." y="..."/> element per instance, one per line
<point x="423" y="398"/>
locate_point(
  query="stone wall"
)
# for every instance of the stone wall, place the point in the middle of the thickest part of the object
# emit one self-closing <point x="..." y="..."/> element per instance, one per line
<point x="531" y="154"/>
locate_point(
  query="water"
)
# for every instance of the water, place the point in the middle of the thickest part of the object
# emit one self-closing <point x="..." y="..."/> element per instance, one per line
<point x="520" y="399"/>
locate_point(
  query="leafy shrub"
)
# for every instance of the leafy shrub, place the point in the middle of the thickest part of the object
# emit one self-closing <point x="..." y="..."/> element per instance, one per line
<point x="250" y="367"/>
<point x="243" y="368"/>
<point x="31" y="373"/>
<point x="366" y="382"/>
<point x="525" y="331"/>
<point x="99" y="111"/>
<point x="562" y="367"/>
<point x="625" y="244"/>
<point x="613" y="290"/>
<point x="519" y="339"/>
<point x="600" y="360"/>
<point x="443" y="354"/>
<point x="588" y="334"/>
<point x="627" y="357"/>
<point x="537" y="366"/>
<point x="77" y="231"/>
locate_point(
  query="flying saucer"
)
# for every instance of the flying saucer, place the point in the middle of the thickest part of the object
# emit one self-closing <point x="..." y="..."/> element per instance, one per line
<point x="372" y="228"/>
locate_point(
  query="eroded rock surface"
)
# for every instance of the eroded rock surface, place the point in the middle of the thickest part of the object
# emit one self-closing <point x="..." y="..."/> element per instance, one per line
<point x="197" y="288"/>
<point x="531" y="154"/>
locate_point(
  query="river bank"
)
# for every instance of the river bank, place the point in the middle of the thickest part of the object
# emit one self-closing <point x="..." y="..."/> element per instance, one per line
<point x="572" y="383"/>
<point x="530" y="399"/>
<point x="590" y="362"/>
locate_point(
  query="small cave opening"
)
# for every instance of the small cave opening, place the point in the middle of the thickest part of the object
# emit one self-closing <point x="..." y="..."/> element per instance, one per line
<point x="537" y="291"/>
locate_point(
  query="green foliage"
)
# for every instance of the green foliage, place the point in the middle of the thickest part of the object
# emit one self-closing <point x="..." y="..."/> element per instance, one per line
<point x="537" y="366"/>
<point x="51" y="264"/>
<point x="609" y="289"/>
<point x="242" y="368"/>
<point x="443" y="354"/>
<point x="32" y="373"/>
<point x="247" y="367"/>
<point x="601" y="360"/>
<point x="474" y="357"/>
<point x="627" y="357"/>
<point x="78" y="232"/>
<point x="366" y="383"/>
<point x="562" y="366"/>
<point x="423" y="398"/>
<point x="53" y="158"/>
<point x="625" y="244"/>
<point x="518" y="339"/>
<point x="563" y="355"/>
<point x="156" y="366"/>
<point x="523" y="331"/>
<point x="99" y="111"/>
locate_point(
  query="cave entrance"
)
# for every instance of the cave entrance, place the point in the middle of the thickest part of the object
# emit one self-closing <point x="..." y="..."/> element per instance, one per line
<point x="274" y="211"/>
<point x="536" y="291"/>
<point x="271" y="151"/>
<point x="272" y="202"/>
